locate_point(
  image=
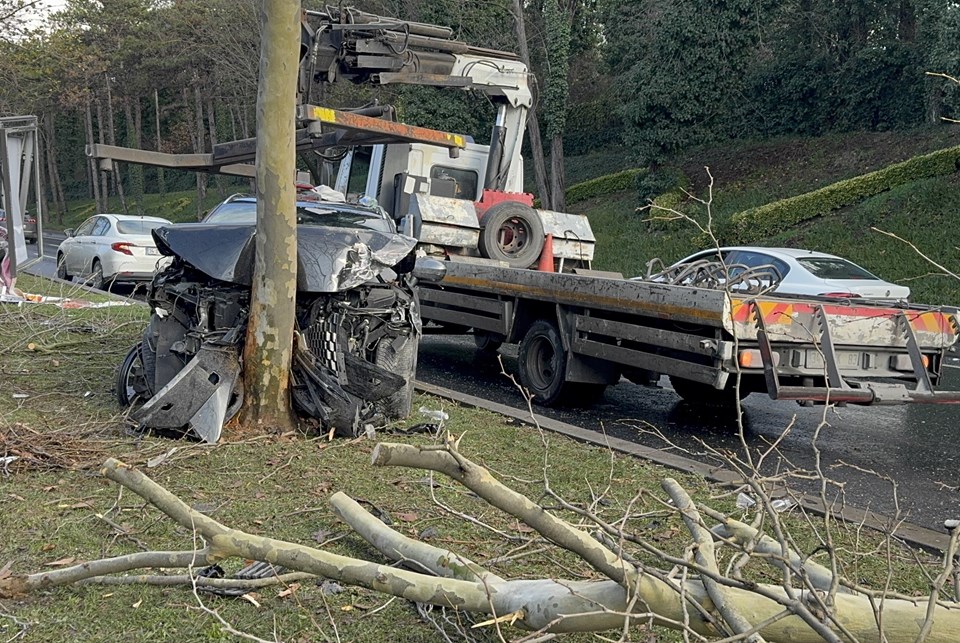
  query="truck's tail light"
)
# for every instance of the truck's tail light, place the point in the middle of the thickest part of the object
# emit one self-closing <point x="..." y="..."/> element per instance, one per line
<point x="903" y="362"/>
<point x="751" y="358"/>
<point x="123" y="248"/>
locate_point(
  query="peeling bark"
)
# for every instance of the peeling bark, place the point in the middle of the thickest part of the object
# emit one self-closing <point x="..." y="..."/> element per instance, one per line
<point x="268" y="350"/>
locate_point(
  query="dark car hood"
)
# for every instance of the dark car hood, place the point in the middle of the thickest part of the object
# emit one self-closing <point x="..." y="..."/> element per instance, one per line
<point x="329" y="259"/>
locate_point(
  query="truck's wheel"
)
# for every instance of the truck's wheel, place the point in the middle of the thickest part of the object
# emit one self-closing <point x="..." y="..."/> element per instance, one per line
<point x="543" y="369"/>
<point x="512" y="232"/>
<point x="486" y="342"/>
<point x="703" y="395"/>
<point x="403" y="362"/>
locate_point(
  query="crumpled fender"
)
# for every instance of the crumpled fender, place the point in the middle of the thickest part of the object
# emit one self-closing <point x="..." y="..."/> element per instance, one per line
<point x="329" y="259"/>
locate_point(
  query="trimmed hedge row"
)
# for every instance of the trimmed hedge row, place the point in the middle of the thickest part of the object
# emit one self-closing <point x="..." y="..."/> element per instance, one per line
<point x="757" y="223"/>
<point x="603" y="185"/>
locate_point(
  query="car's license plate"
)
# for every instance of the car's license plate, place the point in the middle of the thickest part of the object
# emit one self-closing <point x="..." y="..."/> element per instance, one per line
<point x="152" y="251"/>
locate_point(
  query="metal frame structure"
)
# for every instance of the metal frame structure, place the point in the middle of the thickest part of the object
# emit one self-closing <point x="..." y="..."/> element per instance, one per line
<point x="19" y="159"/>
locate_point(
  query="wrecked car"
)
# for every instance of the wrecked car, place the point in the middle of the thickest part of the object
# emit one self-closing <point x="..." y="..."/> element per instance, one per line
<point x="357" y="321"/>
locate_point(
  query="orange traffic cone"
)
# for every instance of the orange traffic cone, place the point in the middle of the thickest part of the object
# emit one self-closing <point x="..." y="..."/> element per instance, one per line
<point x="546" y="255"/>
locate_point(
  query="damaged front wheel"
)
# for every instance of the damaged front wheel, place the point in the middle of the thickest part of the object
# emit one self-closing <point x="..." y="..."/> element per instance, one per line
<point x="131" y="382"/>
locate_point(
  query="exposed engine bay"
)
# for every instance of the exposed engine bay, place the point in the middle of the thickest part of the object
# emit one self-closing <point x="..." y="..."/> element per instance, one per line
<point x="356" y="339"/>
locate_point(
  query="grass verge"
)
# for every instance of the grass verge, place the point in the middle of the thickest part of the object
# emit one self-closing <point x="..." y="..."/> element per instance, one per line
<point x="58" y="416"/>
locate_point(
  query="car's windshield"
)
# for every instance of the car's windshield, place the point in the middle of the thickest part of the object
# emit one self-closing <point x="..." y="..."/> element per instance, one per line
<point x="826" y="268"/>
<point x="325" y="214"/>
<point x="139" y="227"/>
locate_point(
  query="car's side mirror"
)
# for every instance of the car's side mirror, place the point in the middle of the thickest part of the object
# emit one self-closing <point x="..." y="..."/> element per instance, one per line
<point x="69" y="232"/>
<point x="429" y="269"/>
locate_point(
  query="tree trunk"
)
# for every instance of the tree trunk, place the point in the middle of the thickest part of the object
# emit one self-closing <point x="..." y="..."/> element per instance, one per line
<point x="53" y="167"/>
<point x="104" y="205"/>
<point x="212" y="130"/>
<point x="533" y="122"/>
<point x="112" y="139"/>
<point x="198" y="140"/>
<point x="269" y="342"/>
<point x="161" y="177"/>
<point x="558" y="199"/>
<point x="93" y="172"/>
<point x="133" y="140"/>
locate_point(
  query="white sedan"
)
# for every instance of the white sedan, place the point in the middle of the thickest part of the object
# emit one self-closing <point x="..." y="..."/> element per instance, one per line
<point x="111" y="248"/>
<point x="799" y="272"/>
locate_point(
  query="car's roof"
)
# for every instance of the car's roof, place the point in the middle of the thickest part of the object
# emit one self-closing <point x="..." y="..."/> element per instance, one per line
<point x="133" y="217"/>
<point x="793" y="253"/>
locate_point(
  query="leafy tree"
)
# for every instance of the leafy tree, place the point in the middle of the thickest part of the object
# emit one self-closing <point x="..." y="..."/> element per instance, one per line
<point x="682" y="68"/>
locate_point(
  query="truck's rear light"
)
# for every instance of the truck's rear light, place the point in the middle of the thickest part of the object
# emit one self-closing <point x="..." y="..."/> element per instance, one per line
<point x="123" y="248"/>
<point x="904" y="363"/>
<point x="840" y="295"/>
<point x="751" y="358"/>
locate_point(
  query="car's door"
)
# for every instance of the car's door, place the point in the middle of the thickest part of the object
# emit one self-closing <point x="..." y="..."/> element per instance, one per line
<point x="73" y="247"/>
<point x="99" y="241"/>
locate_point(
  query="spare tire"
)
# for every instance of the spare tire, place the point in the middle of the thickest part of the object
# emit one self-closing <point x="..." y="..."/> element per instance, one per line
<point x="511" y="232"/>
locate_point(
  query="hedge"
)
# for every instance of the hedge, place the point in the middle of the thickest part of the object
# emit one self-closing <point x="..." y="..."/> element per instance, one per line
<point x="757" y="223"/>
<point x="603" y="185"/>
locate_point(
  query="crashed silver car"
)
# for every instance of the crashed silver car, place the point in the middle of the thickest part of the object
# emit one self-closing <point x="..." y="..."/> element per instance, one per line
<point x="357" y="322"/>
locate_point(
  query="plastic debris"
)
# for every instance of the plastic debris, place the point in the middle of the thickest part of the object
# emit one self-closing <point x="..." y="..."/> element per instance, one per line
<point x="782" y="504"/>
<point x="20" y="396"/>
<point x="744" y="501"/>
<point x="433" y="414"/>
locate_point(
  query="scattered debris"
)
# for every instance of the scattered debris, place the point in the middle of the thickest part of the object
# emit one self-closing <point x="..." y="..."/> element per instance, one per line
<point x="60" y="302"/>
<point x="435" y="415"/>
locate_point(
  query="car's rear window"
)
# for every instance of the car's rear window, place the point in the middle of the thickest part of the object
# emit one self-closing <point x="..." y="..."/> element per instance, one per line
<point x="234" y="212"/>
<point x="321" y="213"/>
<point x="834" y="268"/>
<point x="139" y="227"/>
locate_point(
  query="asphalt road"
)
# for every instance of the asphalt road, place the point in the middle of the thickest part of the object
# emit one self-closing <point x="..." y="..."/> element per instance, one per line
<point x="915" y="446"/>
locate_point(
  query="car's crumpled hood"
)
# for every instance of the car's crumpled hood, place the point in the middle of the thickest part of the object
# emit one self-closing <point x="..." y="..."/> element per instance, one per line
<point x="329" y="259"/>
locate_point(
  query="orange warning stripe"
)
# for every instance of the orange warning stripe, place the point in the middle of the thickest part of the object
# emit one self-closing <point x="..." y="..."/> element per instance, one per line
<point x="779" y="312"/>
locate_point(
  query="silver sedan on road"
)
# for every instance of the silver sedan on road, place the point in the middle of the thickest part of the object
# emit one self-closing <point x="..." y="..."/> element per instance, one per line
<point x="111" y="248"/>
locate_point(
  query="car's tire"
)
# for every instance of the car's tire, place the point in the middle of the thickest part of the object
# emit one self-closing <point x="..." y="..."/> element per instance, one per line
<point x="703" y="395"/>
<point x="130" y="376"/>
<point x="96" y="275"/>
<point x="543" y="369"/>
<point x="512" y="232"/>
<point x="401" y="361"/>
<point x="62" y="267"/>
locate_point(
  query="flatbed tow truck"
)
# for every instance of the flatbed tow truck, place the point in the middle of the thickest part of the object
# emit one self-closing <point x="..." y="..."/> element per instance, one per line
<point x="515" y="274"/>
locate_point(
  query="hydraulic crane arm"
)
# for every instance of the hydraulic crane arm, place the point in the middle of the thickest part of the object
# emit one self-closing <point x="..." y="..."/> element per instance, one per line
<point x="348" y="44"/>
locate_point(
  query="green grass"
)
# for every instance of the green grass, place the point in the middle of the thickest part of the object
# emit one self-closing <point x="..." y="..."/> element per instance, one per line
<point x="64" y="362"/>
<point x="747" y="175"/>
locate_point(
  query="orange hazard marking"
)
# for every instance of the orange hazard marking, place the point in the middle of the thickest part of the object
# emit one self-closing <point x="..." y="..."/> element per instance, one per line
<point x="773" y="312"/>
<point x="932" y="322"/>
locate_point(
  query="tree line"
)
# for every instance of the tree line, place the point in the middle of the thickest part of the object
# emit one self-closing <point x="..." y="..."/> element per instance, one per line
<point x="655" y="76"/>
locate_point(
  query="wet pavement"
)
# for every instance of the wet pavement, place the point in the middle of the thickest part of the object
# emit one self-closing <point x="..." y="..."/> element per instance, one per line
<point x="914" y="446"/>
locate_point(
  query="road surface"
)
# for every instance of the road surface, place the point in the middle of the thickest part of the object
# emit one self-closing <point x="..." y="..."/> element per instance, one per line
<point x="913" y="445"/>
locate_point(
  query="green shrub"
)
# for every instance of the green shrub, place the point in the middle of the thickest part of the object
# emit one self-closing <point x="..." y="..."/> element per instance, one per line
<point x="603" y="185"/>
<point x="751" y="225"/>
